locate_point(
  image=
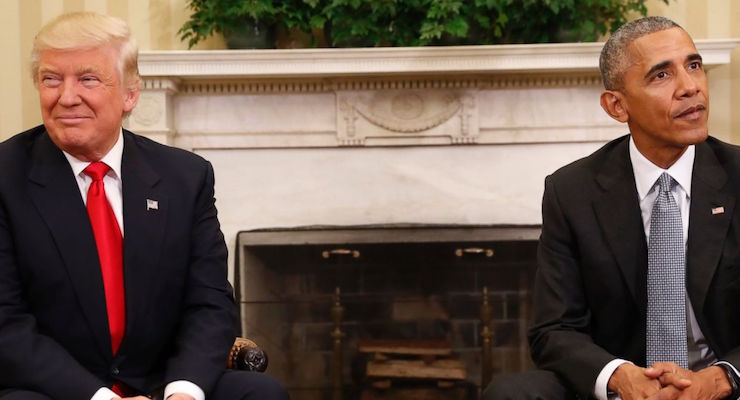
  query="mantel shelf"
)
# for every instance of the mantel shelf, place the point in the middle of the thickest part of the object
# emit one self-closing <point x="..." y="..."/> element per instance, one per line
<point x="461" y="60"/>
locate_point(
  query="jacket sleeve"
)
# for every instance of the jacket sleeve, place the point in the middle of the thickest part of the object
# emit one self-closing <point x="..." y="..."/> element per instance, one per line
<point x="28" y="358"/>
<point x="559" y="337"/>
<point x="207" y="326"/>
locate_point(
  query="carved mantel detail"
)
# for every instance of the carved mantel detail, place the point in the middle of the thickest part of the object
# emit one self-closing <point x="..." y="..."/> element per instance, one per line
<point x="409" y="111"/>
<point x="404" y="114"/>
<point x="153" y="114"/>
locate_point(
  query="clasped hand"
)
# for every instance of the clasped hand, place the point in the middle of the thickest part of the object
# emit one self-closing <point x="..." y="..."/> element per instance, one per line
<point x="668" y="381"/>
<point x="176" y="396"/>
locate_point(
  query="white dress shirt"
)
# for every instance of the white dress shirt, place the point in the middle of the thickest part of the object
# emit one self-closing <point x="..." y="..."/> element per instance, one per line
<point x="114" y="193"/>
<point x="646" y="175"/>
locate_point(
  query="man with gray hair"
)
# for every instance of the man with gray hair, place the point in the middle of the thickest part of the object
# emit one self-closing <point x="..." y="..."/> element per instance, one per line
<point x="638" y="278"/>
<point x="113" y="273"/>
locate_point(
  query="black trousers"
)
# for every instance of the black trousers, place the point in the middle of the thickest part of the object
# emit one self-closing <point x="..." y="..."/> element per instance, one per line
<point x="233" y="385"/>
<point x="532" y="385"/>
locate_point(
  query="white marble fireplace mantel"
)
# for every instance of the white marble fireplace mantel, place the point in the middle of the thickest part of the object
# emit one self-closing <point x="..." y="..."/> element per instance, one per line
<point x="549" y="58"/>
<point x="430" y="135"/>
<point x="378" y="96"/>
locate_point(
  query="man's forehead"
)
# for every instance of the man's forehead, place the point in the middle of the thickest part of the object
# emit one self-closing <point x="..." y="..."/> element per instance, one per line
<point x="102" y="52"/>
<point x="79" y="60"/>
<point x="77" y="67"/>
<point x="672" y="45"/>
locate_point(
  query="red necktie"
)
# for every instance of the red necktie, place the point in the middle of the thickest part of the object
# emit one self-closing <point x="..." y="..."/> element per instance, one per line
<point x="109" y="242"/>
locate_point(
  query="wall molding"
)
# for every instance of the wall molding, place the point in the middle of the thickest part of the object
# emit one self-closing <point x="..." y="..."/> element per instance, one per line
<point x="251" y="86"/>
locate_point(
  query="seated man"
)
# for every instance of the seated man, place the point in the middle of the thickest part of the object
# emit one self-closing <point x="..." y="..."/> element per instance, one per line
<point x="638" y="281"/>
<point x="113" y="275"/>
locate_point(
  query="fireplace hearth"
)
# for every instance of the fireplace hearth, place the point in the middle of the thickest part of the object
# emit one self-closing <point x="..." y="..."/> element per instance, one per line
<point x="300" y="289"/>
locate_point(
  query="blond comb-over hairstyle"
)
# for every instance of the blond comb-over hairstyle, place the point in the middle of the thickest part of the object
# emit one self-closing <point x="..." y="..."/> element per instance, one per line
<point x="86" y="30"/>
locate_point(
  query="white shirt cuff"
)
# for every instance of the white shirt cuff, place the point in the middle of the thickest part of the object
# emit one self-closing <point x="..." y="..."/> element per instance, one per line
<point x="602" y="381"/>
<point x="731" y="366"/>
<point x="104" y="394"/>
<point x="185" y="387"/>
<point x="737" y="373"/>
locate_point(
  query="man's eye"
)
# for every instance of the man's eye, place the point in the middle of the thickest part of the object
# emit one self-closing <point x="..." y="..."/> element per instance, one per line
<point x="50" y="81"/>
<point x="695" y="65"/>
<point x="89" y="80"/>
<point x="661" y="75"/>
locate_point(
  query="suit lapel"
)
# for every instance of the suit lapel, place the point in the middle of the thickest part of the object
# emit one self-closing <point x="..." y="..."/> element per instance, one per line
<point x="618" y="213"/>
<point x="144" y="228"/>
<point x="55" y="193"/>
<point x="707" y="229"/>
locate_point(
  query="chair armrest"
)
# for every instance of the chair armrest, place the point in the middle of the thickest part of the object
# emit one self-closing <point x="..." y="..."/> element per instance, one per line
<point x="245" y="355"/>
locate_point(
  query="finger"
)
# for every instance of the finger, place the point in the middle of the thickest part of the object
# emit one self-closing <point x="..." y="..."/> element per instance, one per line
<point x="666" y="366"/>
<point x="677" y="380"/>
<point x="653" y="372"/>
<point x="666" y="393"/>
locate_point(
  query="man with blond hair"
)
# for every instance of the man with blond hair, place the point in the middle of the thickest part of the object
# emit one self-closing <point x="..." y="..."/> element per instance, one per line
<point x="638" y="277"/>
<point x="113" y="275"/>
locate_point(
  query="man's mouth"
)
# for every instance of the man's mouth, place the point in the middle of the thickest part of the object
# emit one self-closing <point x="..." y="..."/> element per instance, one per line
<point x="71" y="118"/>
<point x="692" y="112"/>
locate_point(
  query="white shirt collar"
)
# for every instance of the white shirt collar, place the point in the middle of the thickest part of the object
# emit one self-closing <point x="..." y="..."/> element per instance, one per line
<point x="112" y="159"/>
<point x="646" y="173"/>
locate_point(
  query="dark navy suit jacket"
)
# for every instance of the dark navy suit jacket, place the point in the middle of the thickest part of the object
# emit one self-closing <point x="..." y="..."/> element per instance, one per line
<point x="591" y="284"/>
<point x="180" y="315"/>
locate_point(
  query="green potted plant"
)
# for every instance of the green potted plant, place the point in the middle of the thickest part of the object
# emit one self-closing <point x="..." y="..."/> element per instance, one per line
<point x="463" y="22"/>
<point x="250" y="23"/>
<point x="357" y="23"/>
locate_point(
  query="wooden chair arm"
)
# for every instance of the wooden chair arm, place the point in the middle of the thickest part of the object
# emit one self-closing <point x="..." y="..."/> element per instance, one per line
<point x="245" y="355"/>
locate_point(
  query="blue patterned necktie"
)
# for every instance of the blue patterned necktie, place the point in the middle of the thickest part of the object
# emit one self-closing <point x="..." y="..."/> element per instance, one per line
<point x="666" y="282"/>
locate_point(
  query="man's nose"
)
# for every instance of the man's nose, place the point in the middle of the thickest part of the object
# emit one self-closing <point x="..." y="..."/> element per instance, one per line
<point x="69" y="93"/>
<point x="687" y="84"/>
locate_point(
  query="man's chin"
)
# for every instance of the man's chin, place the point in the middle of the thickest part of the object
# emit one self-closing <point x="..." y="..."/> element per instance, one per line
<point x="687" y="137"/>
<point x="70" y="139"/>
<point x="697" y="137"/>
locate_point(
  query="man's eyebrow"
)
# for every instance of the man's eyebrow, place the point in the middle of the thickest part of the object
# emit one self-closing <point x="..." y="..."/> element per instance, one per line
<point x="79" y="71"/>
<point x="657" y="67"/>
<point x="44" y="68"/>
<point x="694" y="57"/>
<point x="87" y="70"/>
<point x="664" y="64"/>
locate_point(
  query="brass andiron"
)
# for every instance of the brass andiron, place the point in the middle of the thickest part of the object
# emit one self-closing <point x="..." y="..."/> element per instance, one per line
<point x="486" y="338"/>
<point x="337" y="311"/>
<point x="340" y="252"/>
<point x="474" y="250"/>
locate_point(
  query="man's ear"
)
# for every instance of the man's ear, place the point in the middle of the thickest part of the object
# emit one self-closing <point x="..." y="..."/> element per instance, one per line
<point x="613" y="103"/>
<point x="132" y="97"/>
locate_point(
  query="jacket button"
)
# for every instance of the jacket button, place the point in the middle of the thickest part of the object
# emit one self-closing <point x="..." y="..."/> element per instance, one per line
<point x="114" y="371"/>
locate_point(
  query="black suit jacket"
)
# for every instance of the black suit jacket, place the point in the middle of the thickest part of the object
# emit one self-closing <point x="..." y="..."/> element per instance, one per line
<point x="180" y="315"/>
<point x="590" y="295"/>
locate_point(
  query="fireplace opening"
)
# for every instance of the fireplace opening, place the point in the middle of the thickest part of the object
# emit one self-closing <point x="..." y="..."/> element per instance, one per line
<point x="387" y="312"/>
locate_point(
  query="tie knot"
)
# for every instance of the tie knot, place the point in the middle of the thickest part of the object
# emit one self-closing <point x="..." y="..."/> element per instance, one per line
<point x="96" y="170"/>
<point x="666" y="182"/>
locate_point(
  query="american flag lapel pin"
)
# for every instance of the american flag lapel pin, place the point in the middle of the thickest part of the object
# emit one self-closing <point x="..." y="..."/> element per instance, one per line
<point x="718" y="210"/>
<point x="152" y="204"/>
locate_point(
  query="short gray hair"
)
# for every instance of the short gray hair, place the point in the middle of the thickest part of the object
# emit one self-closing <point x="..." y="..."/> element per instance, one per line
<point x="614" y="56"/>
